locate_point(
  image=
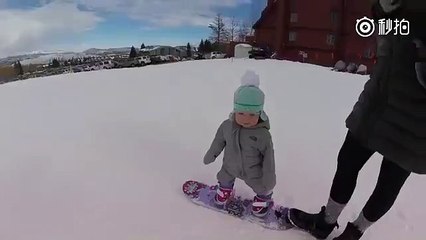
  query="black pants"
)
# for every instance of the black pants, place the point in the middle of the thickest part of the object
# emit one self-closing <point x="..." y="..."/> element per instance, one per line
<point x="351" y="159"/>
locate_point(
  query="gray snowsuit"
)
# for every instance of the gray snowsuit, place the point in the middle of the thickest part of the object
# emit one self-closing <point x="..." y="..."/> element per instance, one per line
<point x="249" y="155"/>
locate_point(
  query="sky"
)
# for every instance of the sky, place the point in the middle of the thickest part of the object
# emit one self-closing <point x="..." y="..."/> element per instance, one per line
<point x="76" y="25"/>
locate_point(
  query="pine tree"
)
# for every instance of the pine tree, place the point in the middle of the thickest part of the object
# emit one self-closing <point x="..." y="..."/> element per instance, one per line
<point x="133" y="52"/>
<point x="18" y="68"/>
<point x="188" y="50"/>
<point x="55" y="63"/>
<point x="208" y="46"/>
<point x="201" y="47"/>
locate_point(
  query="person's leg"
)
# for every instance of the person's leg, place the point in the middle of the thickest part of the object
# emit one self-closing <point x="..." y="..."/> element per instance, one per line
<point x="262" y="203"/>
<point x="391" y="179"/>
<point x="226" y="186"/>
<point x="351" y="158"/>
<point x="224" y="192"/>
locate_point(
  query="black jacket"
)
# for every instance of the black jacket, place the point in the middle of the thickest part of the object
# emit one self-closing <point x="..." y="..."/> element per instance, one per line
<point x="390" y="115"/>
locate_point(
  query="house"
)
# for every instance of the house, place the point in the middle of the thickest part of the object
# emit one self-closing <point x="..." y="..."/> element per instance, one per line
<point x="184" y="49"/>
<point x="318" y="32"/>
<point x="163" y="51"/>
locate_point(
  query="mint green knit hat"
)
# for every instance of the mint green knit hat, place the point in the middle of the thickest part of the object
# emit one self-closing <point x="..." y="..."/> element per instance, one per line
<point x="248" y="97"/>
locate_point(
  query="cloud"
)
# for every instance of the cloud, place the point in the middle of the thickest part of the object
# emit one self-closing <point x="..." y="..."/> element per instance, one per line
<point x="3" y="4"/>
<point x="148" y="28"/>
<point x="54" y="22"/>
<point x="165" y="13"/>
<point x="37" y="28"/>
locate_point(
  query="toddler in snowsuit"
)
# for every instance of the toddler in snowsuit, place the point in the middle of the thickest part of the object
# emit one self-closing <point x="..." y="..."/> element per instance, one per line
<point x="249" y="153"/>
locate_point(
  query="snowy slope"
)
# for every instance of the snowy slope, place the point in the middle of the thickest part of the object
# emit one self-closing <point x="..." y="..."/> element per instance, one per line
<point x="102" y="155"/>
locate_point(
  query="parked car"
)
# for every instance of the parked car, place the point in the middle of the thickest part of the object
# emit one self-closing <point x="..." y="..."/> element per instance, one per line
<point x="199" y="56"/>
<point x="108" y="64"/>
<point x="144" y="60"/>
<point x="160" y="59"/>
<point x="91" y="68"/>
<point x="171" y="58"/>
<point x="259" y="53"/>
<point x="128" y="63"/>
<point x="77" y="69"/>
<point x="214" y="55"/>
<point x="67" y="71"/>
<point x="157" y="60"/>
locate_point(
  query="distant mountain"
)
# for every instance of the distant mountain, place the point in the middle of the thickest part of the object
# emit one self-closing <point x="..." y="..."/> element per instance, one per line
<point x="37" y="57"/>
<point x="12" y="59"/>
<point x="42" y="57"/>
<point x="46" y="58"/>
<point x="98" y="51"/>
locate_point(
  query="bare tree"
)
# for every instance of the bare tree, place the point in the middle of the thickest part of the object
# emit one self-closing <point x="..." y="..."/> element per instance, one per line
<point x="242" y="31"/>
<point x="219" y="30"/>
<point x="233" y="28"/>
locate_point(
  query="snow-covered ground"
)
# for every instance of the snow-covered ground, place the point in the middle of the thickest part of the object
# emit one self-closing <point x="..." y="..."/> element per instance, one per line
<point x="102" y="155"/>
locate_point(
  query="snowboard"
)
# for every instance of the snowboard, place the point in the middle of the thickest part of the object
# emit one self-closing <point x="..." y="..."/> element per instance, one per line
<point x="203" y="195"/>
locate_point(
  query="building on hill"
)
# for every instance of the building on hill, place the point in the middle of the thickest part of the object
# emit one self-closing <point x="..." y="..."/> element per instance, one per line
<point x="318" y="32"/>
<point x="163" y="51"/>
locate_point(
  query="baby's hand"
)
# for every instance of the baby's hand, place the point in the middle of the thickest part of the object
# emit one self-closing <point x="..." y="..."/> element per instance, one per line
<point x="209" y="159"/>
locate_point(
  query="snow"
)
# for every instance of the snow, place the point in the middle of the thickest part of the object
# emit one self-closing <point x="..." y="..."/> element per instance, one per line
<point x="102" y="155"/>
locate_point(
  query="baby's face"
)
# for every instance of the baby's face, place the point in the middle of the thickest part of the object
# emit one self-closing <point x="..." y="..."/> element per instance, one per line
<point x="247" y="120"/>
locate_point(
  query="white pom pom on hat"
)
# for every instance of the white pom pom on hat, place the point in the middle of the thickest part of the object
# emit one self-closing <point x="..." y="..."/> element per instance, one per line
<point x="248" y="97"/>
<point x="250" y="78"/>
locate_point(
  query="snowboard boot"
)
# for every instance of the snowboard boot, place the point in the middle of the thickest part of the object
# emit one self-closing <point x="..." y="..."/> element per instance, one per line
<point x="314" y="224"/>
<point x="282" y="217"/>
<point x="351" y="233"/>
<point x="223" y="195"/>
<point x="261" y="206"/>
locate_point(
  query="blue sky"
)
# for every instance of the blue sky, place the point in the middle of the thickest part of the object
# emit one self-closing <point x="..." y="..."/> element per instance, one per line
<point x="49" y="25"/>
